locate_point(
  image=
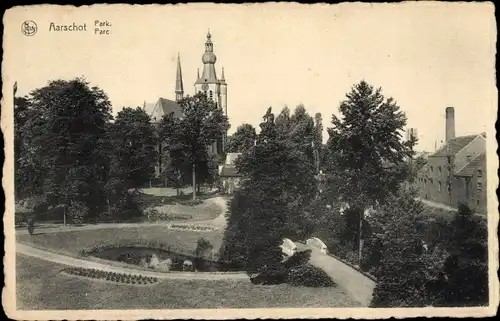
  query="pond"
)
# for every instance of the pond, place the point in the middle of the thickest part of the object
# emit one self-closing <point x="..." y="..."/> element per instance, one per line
<point x="159" y="260"/>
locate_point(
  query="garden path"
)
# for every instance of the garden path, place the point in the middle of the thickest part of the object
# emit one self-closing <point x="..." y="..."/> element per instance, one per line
<point x="356" y="284"/>
<point x="219" y="222"/>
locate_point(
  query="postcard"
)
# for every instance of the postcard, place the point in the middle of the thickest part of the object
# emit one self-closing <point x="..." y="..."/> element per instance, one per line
<point x="273" y="160"/>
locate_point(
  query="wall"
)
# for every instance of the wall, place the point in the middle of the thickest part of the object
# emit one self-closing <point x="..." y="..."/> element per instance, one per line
<point x="437" y="172"/>
<point x="478" y="199"/>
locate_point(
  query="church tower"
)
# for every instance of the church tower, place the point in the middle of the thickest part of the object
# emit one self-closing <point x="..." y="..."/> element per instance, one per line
<point x="179" y="87"/>
<point x="208" y="82"/>
<point x="215" y="89"/>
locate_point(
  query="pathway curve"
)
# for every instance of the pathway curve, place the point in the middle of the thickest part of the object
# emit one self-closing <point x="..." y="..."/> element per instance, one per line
<point x="356" y="284"/>
<point x="219" y="222"/>
<point x="75" y="262"/>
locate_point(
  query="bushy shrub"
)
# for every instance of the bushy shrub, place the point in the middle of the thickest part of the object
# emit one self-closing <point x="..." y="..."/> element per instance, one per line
<point x="21" y="218"/>
<point x="78" y="212"/>
<point x="310" y="276"/>
<point x="298" y="259"/>
<point x="191" y="202"/>
<point x="270" y="275"/>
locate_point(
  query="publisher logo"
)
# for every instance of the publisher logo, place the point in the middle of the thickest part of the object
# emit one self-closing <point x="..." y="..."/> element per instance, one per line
<point x="29" y="28"/>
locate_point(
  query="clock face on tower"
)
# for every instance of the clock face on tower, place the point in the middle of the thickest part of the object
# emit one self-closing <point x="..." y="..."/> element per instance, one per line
<point x="204" y="87"/>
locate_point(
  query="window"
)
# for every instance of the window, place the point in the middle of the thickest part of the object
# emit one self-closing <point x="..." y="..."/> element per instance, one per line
<point x="449" y="188"/>
<point x="449" y="159"/>
<point x="477" y="202"/>
<point x="439" y="186"/>
<point x="439" y="169"/>
<point x="479" y="186"/>
<point x="432" y="169"/>
<point x="479" y="173"/>
<point x="211" y="95"/>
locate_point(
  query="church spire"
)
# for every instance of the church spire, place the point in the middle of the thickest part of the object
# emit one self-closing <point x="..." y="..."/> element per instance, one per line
<point x="179" y="88"/>
<point x="209" y="59"/>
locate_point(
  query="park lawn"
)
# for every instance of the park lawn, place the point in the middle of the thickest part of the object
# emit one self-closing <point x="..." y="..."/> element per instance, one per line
<point x="204" y="211"/>
<point x="40" y="286"/>
<point x="165" y="201"/>
<point x="72" y="242"/>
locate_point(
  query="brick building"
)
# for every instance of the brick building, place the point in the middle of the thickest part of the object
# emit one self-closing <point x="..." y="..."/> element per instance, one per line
<point x="457" y="171"/>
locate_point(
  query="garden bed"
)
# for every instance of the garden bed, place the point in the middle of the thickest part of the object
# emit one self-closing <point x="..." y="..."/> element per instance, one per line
<point x="41" y="286"/>
<point x="192" y="227"/>
<point x="112" y="277"/>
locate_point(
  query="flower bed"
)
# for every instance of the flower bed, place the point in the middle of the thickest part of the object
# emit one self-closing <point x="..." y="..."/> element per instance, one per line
<point x="122" y="278"/>
<point x="191" y="227"/>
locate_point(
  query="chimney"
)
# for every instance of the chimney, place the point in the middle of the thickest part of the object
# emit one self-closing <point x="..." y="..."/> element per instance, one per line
<point x="450" y="123"/>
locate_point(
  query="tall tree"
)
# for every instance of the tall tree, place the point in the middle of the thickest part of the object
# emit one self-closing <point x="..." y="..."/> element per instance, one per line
<point x="66" y="136"/>
<point x="28" y="169"/>
<point x="283" y="124"/>
<point x="298" y="129"/>
<point x="367" y="156"/>
<point x="202" y="124"/>
<point x="243" y="139"/>
<point x="134" y="141"/>
<point x="277" y="183"/>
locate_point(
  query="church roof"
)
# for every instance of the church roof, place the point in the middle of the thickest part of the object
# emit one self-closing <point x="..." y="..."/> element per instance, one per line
<point x="163" y="106"/>
<point x="454" y="145"/>
<point x="168" y="106"/>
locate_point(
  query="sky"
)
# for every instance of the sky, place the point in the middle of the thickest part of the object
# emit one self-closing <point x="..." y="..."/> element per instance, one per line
<point x="425" y="55"/>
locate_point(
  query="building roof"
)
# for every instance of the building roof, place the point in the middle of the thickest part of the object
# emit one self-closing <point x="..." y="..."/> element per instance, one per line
<point x="469" y="169"/>
<point x="166" y="106"/>
<point x="229" y="171"/>
<point x="170" y="106"/>
<point x="454" y="145"/>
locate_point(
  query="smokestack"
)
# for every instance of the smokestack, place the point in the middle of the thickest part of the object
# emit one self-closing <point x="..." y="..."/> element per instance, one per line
<point x="450" y="123"/>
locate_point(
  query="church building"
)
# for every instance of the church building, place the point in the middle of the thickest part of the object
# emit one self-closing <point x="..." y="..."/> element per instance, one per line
<point x="208" y="83"/>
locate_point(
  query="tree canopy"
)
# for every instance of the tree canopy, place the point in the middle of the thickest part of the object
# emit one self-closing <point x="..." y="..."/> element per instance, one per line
<point x="189" y="137"/>
<point x="65" y="139"/>
<point x="242" y="140"/>
<point x="134" y="143"/>
<point x="277" y="183"/>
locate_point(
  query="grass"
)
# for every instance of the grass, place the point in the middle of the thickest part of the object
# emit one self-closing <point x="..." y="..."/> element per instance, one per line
<point x="41" y="286"/>
<point x="166" y="202"/>
<point x="70" y="243"/>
